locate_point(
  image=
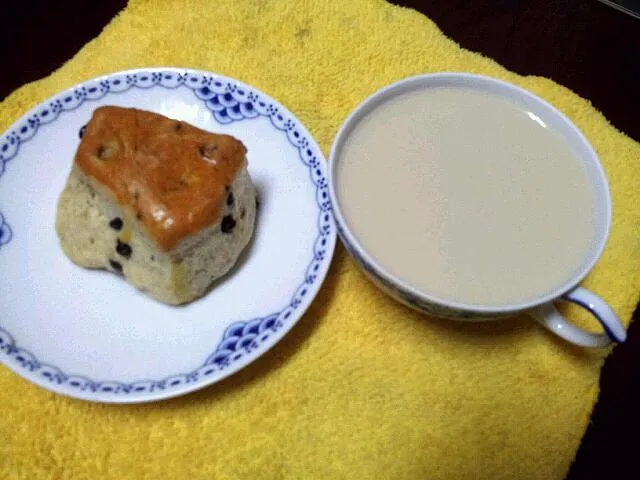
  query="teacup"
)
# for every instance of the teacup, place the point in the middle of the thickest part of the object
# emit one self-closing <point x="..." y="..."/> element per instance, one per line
<point x="541" y="305"/>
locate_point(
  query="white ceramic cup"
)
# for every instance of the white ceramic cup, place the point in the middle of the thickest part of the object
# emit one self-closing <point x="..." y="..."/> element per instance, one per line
<point x="542" y="309"/>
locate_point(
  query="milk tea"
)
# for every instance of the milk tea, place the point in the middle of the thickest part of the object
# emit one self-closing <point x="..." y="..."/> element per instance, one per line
<point x="466" y="196"/>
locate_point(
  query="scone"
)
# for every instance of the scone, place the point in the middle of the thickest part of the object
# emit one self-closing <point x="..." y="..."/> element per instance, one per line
<point x="165" y="204"/>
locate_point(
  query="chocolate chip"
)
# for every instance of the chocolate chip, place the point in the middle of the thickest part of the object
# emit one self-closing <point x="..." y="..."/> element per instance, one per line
<point x="105" y="151"/>
<point x="124" y="249"/>
<point x="230" y="199"/>
<point x="101" y="153"/>
<point x="116" y="224"/>
<point x="115" y="265"/>
<point x="139" y="215"/>
<point x="82" y="130"/>
<point x="206" y="151"/>
<point x="228" y="224"/>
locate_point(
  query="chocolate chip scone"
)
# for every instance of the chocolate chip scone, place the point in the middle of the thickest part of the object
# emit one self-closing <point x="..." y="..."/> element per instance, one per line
<point x="165" y="204"/>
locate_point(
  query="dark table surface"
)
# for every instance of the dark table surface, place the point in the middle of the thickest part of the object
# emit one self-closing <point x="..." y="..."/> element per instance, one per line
<point x="583" y="44"/>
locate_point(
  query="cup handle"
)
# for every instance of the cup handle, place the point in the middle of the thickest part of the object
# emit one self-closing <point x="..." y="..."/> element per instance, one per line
<point x="548" y="316"/>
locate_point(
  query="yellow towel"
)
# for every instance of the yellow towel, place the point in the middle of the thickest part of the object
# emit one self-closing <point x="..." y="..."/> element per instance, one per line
<point x="362" y="387"/>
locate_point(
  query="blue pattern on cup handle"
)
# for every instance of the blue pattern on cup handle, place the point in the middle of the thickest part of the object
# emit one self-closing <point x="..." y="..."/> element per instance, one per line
<point x="548" y="316"/>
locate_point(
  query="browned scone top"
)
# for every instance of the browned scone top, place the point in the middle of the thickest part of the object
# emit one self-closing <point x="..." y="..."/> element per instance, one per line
<point x="171" y="175"/>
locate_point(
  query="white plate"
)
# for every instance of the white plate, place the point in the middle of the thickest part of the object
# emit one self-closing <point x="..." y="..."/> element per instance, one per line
<point x="89" y="334"/>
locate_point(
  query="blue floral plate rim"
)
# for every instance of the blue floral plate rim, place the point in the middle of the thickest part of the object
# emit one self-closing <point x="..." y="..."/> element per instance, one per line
<point x="228" y="100"/>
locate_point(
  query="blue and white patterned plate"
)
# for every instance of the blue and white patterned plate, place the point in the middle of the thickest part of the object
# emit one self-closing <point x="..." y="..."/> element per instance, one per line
<point x="89" y="334"/>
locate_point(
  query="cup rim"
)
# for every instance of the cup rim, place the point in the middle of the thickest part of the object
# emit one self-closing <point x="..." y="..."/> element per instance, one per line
<point x="347" y="236"/>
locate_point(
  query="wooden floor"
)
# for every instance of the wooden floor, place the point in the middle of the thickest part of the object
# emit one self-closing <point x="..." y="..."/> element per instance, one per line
<point x="582" y="44"/>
